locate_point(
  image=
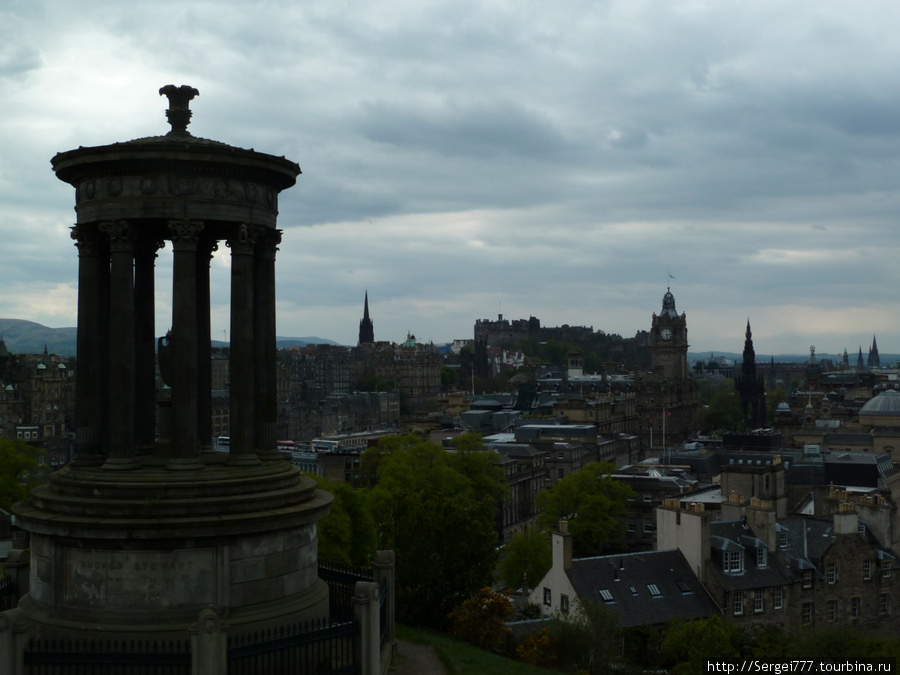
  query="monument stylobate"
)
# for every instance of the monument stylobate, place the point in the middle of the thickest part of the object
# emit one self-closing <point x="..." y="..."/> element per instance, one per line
<point x="148" y="525"/>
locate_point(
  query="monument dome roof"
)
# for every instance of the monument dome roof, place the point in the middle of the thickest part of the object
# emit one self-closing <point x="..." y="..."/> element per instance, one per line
<point x="887" y="403"/>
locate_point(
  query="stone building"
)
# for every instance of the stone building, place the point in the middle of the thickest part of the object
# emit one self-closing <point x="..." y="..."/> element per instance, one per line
<point x="668" y="396"/>
<point x="797" y="572"/>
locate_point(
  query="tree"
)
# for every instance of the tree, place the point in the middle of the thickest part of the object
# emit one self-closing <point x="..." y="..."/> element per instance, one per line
<point x="347" y="534"/>
<point x="480" y="620"/>
<point x="437" y="510"/>
<point x="688" y="644"/>
<point x="594" y="504"/>
<point x="527" y="558"/>
<point x="723" y="410"/>
<point x="449" y="378"/>
<point x="20" y="471"/>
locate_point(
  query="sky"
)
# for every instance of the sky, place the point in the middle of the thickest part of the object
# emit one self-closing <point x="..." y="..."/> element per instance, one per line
<point x="566" y="160"/>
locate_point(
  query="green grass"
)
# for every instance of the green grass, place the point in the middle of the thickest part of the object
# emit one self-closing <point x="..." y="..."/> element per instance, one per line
<point x="461" y="658"/>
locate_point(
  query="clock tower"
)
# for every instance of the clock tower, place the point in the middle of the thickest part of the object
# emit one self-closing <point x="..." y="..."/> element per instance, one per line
<point x="668" y="396"/>
<point x="668" y="341"/>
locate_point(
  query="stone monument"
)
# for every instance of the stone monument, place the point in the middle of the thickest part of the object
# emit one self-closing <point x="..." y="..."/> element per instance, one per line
<point x="148" y="526"/>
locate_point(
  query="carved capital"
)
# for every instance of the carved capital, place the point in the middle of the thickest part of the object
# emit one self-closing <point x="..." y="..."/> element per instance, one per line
<point x="185" y="233"/>
<point x="86" y="240"/>
<point x="119" y="234"/>
<point x="268" y="244"/>
<point x="244" y="238"/>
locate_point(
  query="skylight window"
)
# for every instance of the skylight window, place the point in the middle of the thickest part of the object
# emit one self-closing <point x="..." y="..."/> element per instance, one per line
<point x="606" y="595"/>
<point x="654" y="591"/>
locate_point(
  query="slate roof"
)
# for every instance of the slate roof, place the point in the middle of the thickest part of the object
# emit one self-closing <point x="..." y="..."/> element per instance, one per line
<point x="736" y="535"/>
<point x="646" y="588"/>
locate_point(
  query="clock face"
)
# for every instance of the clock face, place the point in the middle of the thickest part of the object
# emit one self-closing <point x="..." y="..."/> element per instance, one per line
<point x="665" y="334"/>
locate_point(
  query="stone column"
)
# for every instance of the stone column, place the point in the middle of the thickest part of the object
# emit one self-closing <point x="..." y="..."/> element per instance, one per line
<point x="368" y="636"/>
<point x="383" y="566"/>
<point x="120" y="422"/>
<point x="185" y="446"/>
<point x="266" y="349"/>
<point x="242" y="389"/>
<point x="209" y="645"/>
<point x="205" y="249"/>
<point x="90" y="377"/>
<point x="145" y="343"/>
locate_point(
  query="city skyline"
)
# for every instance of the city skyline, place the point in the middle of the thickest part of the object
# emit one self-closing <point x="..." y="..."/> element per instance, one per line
<point x="462" y="161"/>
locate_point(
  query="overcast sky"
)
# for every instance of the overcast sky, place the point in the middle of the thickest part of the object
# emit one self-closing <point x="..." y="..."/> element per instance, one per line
<point x="467" y="158"/>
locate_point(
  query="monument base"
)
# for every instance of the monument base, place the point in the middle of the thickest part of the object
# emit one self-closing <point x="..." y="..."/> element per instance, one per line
<point x="138" y="554"/>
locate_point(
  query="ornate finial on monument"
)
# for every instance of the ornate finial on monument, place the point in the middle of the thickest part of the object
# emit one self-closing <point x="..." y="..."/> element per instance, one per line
<point x="179" y="112"/>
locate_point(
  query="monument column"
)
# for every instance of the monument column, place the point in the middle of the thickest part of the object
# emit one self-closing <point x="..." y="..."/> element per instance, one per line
<point x="185" y="440"/>
<point x="145" y="342"/>
<point x="205" y="248"/>
<point x="120" y="403"/>
<point x="90" y="406"/>
<point x="266" y="366"/>
<point x="242" y="390"/>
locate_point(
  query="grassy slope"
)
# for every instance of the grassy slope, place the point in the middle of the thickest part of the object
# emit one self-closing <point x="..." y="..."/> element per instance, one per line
<point x="460" y="658"/>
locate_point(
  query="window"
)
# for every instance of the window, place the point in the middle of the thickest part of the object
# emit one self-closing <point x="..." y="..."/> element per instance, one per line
<point x="867" y="569"/>
<point x="606" y="595"/>
<point x="648" y="525"/>
<point x="733" y="560"/>
<point x="854" y="607"/>
<point x="831" y="572"/>
<point x="806" y="613"/>
<point x="778" y="598"/>
<point x="654" y="590"/>
<point x="831" y="611"/>
<point x="564" y="603"/>
<point x="758" y="602"/>
<point x="883" y="603"/>
<point x="548" y="596"/>
<point x="632" y="527"/>
<point x="738" y="602"/>
<point x="782" y="540"/>
<point x="560" y="474"/>
<point x="648" y="498"/>
<point x="633" y="590"/>
<point x="762" y="558"/>
<point x="886" y="568"/>
<point x="807" y="579"/>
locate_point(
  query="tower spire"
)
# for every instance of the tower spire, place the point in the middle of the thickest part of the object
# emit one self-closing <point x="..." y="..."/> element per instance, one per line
<point x="366" y="328"/>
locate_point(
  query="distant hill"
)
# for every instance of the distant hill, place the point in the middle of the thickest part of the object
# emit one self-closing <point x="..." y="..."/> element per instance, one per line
<point x="28" y="337"/>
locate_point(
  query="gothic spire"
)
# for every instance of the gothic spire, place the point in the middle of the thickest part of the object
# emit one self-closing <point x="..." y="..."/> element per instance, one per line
<point x="366" y="328"/>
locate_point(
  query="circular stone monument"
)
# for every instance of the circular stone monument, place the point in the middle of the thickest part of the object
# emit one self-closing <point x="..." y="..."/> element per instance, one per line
<point x="148" y="526"/>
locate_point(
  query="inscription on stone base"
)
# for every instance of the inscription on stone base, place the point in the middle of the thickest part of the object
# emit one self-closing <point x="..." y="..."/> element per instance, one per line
<point x="139" y="579"/>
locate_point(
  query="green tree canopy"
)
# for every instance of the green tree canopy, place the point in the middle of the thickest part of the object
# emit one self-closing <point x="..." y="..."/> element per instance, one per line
<point x="20" y="471"/>
<point x="347" y="534"/>
<point x="723" y="410"/>
<point x="594" y="504"/>
<point x="528" y="556"/>
<point x="437" y="510"/>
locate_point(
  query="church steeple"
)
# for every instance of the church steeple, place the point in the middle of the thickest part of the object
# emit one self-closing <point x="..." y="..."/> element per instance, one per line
<point x="750" y="385"/>
<point x="874" y="361"/>
<point x="366" y="329"/>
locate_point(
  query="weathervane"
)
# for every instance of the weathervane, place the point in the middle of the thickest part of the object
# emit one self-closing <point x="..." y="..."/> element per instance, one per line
<point x="179" y="112"/>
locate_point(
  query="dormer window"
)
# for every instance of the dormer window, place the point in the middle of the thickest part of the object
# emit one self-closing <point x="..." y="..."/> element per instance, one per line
<point x="733" y="561"/>
<point x="762" y="557"/>
<point x="782" y="540"/>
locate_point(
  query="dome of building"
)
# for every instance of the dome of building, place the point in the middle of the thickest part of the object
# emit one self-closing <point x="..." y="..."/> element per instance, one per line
<point x="783" y="407"/>
<point x="887" y="403"/>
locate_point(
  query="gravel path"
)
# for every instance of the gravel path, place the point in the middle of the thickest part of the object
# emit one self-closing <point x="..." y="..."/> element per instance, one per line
<point x="415" y="659"/>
